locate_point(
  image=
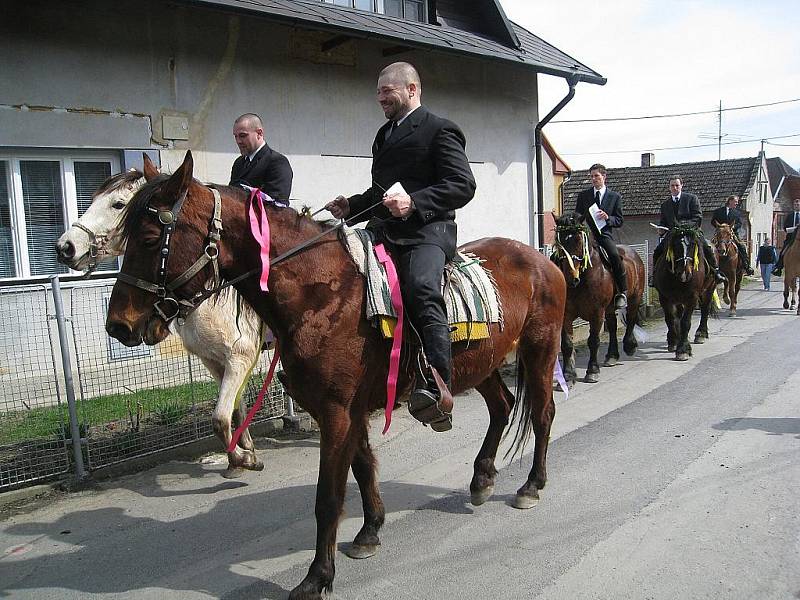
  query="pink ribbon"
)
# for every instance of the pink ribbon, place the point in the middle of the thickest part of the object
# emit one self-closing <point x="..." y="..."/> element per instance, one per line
<point x="259" y="227"/>
<point x="259" y="401"/>
<point x="397" y="340"/>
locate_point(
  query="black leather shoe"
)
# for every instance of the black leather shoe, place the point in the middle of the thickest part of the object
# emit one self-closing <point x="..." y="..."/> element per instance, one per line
<point x="433" y="404"/>
<point x="719" y="277"/>
<point x="750" y="271"/>
<point x="620" y="301"/>
<point x="778" y="271"/>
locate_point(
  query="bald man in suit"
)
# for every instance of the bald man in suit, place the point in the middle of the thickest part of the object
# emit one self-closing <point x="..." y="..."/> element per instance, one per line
<point x="259" y="166"/>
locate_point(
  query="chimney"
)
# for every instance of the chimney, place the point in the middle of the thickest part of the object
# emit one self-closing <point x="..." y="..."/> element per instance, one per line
<point x="648" y="159"/>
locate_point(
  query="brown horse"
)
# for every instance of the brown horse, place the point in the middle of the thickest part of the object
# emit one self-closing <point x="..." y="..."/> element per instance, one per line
<point x="791" y="262"/>
<point x="729" y="264"/>
<point x="683" y="280"/>
<point x="336" y="363"/>
<point x="590" y="295"/>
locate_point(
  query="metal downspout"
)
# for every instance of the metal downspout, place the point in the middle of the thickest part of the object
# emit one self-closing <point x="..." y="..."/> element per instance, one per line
<point x="572" y="81"/>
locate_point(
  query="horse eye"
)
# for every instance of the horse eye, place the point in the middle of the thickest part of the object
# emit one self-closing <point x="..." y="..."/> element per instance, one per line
<point x="119" y="205"/>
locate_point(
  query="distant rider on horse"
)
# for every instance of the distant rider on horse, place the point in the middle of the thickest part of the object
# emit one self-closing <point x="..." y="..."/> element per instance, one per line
<point x="730" y="215"/>
<point x="790" y="224"/>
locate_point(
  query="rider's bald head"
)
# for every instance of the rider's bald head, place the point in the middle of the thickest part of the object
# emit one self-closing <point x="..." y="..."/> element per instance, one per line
<point x="401" y="73"/>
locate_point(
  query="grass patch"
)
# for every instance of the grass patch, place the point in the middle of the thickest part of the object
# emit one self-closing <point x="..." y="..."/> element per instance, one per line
<point x="165" y="405"/>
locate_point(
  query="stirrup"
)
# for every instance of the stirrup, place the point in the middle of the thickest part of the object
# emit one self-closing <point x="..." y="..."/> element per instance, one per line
<point x="432" y="405"/>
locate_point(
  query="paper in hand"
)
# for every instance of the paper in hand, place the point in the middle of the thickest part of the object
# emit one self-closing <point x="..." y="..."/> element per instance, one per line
<point x="396" y="188"/>
<point x="595" y="211"/>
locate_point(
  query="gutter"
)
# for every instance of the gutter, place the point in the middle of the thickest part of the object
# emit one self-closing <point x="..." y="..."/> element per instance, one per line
<point x="538" y="234"/>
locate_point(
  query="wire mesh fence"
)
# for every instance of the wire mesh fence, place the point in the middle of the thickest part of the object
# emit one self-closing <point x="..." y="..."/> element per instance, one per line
<point x="130" y="401"/>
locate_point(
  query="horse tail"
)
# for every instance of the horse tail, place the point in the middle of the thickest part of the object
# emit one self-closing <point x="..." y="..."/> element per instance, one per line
<point x="521" y="414"/>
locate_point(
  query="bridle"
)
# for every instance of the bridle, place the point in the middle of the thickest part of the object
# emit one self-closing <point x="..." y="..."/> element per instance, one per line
<point x="686" y="258"/>
<point x="577" y="264"/>
<point x="168" y="305"/>
<point x="98" y="245"/>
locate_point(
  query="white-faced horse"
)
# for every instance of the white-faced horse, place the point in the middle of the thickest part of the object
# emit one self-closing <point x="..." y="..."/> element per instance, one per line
<point x="224" y="332"/>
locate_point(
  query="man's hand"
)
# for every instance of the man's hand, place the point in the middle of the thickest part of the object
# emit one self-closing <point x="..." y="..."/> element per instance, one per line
<point x="339" y="207"/>
<point x="400" y="205"/>
<point x="602" y="214"/>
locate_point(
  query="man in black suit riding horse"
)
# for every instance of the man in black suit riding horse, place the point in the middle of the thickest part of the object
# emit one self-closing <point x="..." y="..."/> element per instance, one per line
<point x="790" y="224"/>
<point x="609" y="209"/>
<point x="259" y="166"/>
<point x="730" y="215"/>
<point x="425" y="154"/>
<point x="683" y="206"/>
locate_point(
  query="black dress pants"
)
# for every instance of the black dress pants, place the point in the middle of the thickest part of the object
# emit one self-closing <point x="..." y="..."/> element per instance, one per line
<point x="420" y="270"/>
<point x="610" y="246"/>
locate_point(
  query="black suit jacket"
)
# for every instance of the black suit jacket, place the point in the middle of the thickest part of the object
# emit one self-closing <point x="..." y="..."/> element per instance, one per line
<point x="611" y="204"/>
<point x="426" y="155"/>
<point x="688" y="210"/>
<point x="733" y="218"/>
<point x="788" y="221"/>
<point x="269" y="170"/>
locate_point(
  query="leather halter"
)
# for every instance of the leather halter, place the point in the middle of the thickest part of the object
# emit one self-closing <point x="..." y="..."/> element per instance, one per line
<point x="169" y="306"/>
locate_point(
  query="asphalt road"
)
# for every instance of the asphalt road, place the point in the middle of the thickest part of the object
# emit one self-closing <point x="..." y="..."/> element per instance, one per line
<point x="666" y="480"/>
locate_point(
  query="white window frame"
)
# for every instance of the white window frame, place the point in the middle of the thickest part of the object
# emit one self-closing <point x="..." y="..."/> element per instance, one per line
<point x="66" y="160"/>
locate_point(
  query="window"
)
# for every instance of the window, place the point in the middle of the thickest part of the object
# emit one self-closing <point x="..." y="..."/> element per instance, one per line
<point x="413" y="10"/>
<point x="41" y="193"/>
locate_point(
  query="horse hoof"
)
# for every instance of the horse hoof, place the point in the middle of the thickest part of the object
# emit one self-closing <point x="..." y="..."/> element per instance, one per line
<point x="525" y="501"/>
<point x="671" y="348"/>
<point x="785" y="304"/>
<point x="360" y="551"/>
<point x="591" y="378"/>
<point x="732" y="313"/>
<point x="256" y="466"/>
<point x="480" y="496"/>
<point x="682" y="356"/>
<point x="233" y="472"/>
<point x="699" y="339"/>
<point x="611" y="362"/>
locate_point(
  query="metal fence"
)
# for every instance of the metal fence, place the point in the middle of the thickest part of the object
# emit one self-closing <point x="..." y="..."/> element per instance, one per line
<point x="129" y="402"/>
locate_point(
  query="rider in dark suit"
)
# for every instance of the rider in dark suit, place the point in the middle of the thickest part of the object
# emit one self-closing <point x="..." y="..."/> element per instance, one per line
<point x="610" y="204"/>
<point x="259" y="165"/>
<point x="683" y="206"/>
<point x="790" y="223"/>
<point x="730" y="215"/>
<point x="425" y="154"/>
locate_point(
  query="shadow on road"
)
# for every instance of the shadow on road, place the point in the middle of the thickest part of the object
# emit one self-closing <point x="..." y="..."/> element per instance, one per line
<point x="775" y="426"/>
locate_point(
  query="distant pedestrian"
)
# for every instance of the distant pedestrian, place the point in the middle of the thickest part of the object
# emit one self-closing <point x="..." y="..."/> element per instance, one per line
<point x="767" y="257"/>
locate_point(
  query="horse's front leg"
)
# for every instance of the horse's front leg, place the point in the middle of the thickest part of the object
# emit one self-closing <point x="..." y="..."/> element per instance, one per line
<point x="670" y="321"/>
<point x="701" y="335"/>
<point x="364" y="467"/>
<point x="629" y="341"/>
<point x="612" y="354"/>
<point x="499" y="402"/>
<point x="336" y="451"/>
<point x="568" y="353"/>
<point x="684" y="350"/>
<point x="593" y="368"/>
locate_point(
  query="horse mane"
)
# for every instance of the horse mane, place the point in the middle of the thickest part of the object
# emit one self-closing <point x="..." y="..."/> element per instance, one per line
<point x="117" y="181"/>
<point x="132" y="213"/>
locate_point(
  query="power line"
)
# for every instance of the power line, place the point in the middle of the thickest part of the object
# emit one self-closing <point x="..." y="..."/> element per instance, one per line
<point x="688" y="114"/>
<point x="777" y="137"/>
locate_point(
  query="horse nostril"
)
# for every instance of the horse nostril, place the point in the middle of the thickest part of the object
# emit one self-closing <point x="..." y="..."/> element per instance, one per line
<point x="119" y="331"/>
<point x="65" y="250"/>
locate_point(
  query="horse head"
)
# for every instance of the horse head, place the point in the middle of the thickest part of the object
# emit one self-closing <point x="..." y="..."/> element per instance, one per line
<point x="93" y="237"/>
<point x="572" y="249"/>
<point x="683" y="250"/>
<point x="723" y="241"/>
<point x="165" y="228"/>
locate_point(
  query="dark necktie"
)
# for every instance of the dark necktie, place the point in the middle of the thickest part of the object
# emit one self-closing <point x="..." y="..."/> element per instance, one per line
<point x="246" y="161"/>
<point x="796" y="218"/>
<point x="597" y="198"/>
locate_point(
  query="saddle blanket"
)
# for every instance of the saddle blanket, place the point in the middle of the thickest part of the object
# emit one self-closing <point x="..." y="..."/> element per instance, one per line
<point x="469" y="291"/>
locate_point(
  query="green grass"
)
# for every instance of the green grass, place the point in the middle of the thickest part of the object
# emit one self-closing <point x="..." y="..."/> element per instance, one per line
<point x="165" y="405"/>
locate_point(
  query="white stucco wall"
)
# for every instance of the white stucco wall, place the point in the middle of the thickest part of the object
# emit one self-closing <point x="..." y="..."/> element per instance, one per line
<point x="125" y="64"/>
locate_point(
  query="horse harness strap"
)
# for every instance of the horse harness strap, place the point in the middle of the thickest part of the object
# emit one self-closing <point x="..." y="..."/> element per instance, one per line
<point x="165" y="290"/>
<point x="97" y="245"/>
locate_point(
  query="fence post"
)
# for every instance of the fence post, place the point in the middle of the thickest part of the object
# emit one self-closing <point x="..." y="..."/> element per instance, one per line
<point x="80" y="472"/>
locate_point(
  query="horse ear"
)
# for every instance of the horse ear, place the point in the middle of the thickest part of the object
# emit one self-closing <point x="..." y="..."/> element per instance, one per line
<point x="150" y="170"/>
<point x="180" y="180"/>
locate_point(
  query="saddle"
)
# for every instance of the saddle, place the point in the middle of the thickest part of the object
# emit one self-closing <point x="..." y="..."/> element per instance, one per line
<point x="469" y="291"/>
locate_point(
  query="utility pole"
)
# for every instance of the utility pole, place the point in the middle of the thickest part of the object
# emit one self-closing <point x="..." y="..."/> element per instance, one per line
<point x="719" y="133"/>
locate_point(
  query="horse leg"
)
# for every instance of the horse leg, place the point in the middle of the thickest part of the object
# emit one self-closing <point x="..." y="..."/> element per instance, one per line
<point x="366" y="542"/>
<point x="671" y="321"/>
<point x="612" y="353"/>
<point x="726" y="292"/>
<point x="684" y="349"/>
<point x="336" y="452"/>
<point x="786" y="292"/>
<point x="593" y="369"/>
<point x="701" y="335"/>
<point x="499" y="401"/>
<point x="536" y="400"/>
<point x="629" y="342"/>
<point x="568" y="354"/>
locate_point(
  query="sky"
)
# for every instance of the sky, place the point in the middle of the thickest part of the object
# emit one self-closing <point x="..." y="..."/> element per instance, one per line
<point x="666" y="57"/>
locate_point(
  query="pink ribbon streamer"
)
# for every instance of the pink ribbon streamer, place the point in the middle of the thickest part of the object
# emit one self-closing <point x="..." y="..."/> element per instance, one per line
<point x="397" y="340"/>
<point x="259" y="227"/>
<point x="259" y="401"/>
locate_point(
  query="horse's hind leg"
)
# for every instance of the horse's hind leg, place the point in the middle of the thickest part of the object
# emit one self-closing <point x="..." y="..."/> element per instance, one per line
<point x="612" y="354"/>
<point x="499" y="401"/>
<point x="536" y="395"/>
<point x="701" y="335"/>
<point x="366" y="542"/>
